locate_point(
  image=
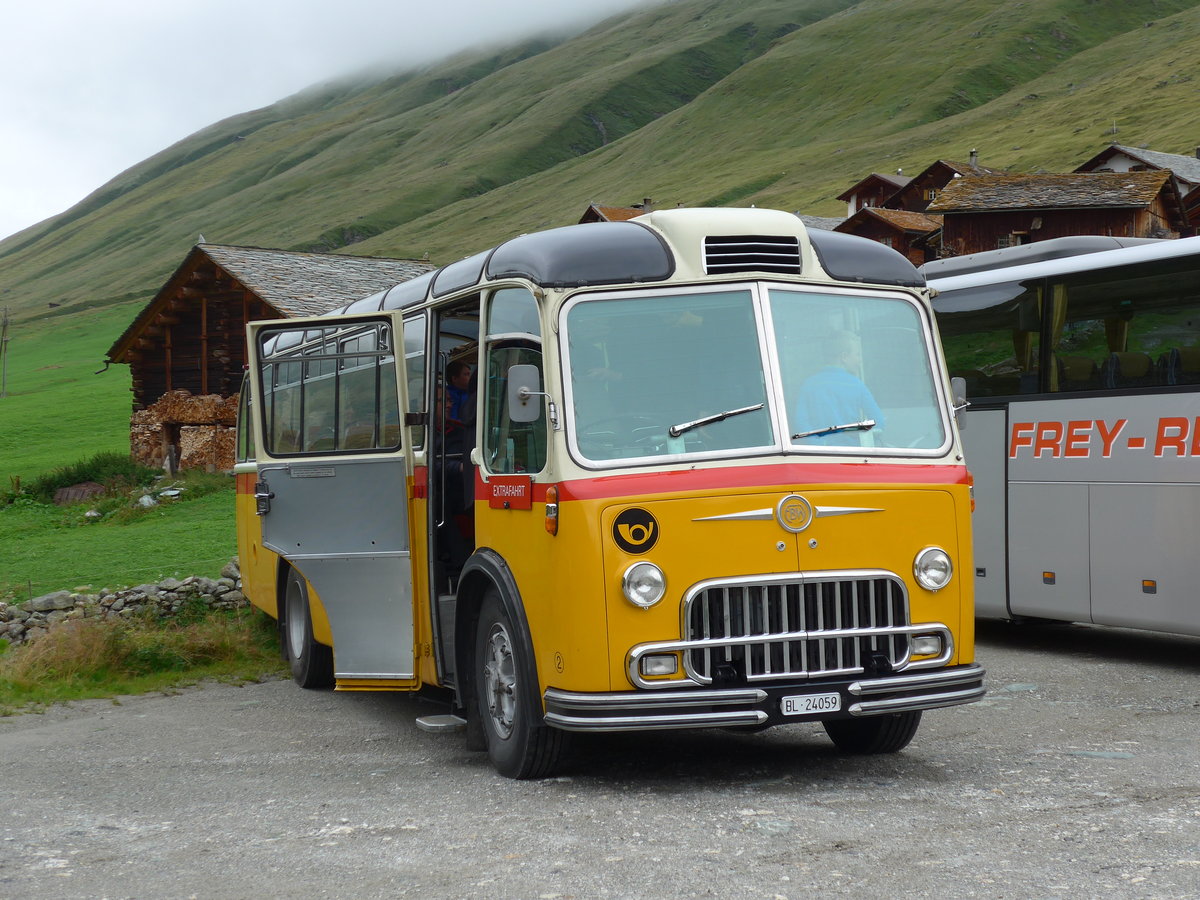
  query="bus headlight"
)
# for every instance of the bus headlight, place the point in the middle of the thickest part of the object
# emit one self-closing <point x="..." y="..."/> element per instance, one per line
<point x="933" y="568"/>
<point x="644" y="584"/>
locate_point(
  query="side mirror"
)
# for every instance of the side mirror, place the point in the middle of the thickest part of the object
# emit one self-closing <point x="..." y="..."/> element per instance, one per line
<point x="958" y="389"/>
<point x="524" y="393"/>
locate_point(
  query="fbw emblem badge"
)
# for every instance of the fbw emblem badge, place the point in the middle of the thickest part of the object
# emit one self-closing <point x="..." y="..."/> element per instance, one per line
<point x="794" y="513"/>
<point x="635" y="530"/>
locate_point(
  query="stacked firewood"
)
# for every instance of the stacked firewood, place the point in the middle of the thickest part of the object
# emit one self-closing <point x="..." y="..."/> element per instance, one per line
<point x="183" y="431"/>
<point x="182" y="408"/>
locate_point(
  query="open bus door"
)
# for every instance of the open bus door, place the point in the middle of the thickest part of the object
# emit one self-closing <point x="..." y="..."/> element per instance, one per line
<point x="332" y="492"/>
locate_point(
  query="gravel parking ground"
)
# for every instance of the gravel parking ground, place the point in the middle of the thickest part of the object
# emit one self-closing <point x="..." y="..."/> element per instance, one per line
<point x="1077" y="777"/>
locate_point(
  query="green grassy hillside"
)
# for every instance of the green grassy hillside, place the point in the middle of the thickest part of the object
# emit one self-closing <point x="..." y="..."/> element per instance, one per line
<point x="773" y="102"/>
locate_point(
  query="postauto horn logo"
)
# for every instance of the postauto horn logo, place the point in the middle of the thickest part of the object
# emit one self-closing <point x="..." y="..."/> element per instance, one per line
<point x="635" y="530"/>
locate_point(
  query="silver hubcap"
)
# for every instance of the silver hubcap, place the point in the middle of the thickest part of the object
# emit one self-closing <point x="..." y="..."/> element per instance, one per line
<point x="499" y="680"/>
<point x="295" y="619"/>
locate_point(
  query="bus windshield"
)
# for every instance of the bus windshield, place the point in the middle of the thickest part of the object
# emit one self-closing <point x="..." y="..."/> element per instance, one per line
<point x="748" y="370"/>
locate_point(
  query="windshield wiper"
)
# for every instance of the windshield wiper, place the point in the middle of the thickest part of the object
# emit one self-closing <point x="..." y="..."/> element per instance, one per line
<point x="864" y="425"/>
<point x="676" y="430"/>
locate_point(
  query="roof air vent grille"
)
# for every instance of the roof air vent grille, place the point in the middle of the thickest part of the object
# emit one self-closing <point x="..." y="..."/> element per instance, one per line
<point x="752" y="253"/>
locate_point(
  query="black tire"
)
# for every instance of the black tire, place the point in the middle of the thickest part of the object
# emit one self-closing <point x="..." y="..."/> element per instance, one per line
<point x="518" y="743"/>
<point x="875" y="734"/>
<point x="311" y="662"/>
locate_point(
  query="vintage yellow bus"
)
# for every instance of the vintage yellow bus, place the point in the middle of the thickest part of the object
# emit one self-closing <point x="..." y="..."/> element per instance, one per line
<point x="695" y="470"/>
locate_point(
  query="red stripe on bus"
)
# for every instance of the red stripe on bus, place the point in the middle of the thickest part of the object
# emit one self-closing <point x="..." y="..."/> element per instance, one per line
<point x="790" y="477"/>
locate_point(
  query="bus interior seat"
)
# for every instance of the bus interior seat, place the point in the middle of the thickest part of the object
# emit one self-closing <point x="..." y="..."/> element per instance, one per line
<point x="1181" y="365"/>
<point x="1077" y="373"/>
<point x="324" y="443"/>
<point x="1129" y="370"/>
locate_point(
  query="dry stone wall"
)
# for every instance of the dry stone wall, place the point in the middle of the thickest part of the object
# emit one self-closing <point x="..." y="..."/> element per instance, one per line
<point x="27" y="621"/>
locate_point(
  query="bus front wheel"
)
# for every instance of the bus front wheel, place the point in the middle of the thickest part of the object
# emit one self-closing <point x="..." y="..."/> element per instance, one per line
<point x="311" y="661"/>
<point x="877" y="734"/>
<point x="518" y="745"/>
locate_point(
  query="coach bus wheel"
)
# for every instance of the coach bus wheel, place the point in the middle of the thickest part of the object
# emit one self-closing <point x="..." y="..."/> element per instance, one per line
<point x="876" y="734"/>
<point x="519" y="746"/>
<point x="311" y="662"/>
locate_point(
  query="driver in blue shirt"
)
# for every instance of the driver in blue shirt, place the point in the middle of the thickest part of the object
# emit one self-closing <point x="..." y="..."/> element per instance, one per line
<point x="836" y="396"/>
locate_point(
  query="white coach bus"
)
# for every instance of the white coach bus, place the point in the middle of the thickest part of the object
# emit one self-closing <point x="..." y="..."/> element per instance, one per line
<point x="1080" y="358"/>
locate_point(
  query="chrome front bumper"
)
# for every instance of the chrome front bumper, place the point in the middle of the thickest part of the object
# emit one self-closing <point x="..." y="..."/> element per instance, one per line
<point x="760" y="705"/>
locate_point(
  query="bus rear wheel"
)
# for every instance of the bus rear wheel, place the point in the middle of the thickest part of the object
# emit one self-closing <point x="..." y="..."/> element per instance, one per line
<point x="876" y="734"/>
<point x="518" y="745"/>
<point x="311" y="661"/>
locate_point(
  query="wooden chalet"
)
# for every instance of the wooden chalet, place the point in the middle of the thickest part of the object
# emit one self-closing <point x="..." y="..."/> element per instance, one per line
<point x="906" y="232"/>
<point x="1118" y="158"/>
<point x="987" y="212"/>
<point x="599" y="213"/>
<point x="186" y="349"/>
<point x="923" y="188"/>
<point x="874" y="190"/>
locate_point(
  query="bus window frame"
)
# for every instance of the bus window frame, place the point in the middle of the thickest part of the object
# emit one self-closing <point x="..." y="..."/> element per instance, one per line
<point x="289" y="328"/>
<point x="759" y="291"/>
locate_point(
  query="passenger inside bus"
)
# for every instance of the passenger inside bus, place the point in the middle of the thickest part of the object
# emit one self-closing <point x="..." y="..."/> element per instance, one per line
<point x="836" y="395"/>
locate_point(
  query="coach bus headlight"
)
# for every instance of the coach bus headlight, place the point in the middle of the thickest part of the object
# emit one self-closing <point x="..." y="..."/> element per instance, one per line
<point x="933" y="569"/>
<point x="644" y="584"/>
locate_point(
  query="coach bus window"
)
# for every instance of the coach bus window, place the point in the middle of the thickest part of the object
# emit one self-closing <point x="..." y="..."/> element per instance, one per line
<point x="513" y="338"/>
<point x="656" y="376"/>
<point x="332" y="390"/>
<point x="414" y="370"/>
<point x="994" y="346"/>
<point x="857" y="372"/>
<point x="245" y="434"/>
<point x="1115" y="335"/>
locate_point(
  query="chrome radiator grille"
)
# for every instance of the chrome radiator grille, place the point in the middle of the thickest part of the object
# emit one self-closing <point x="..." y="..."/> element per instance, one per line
<point x="796" y="627"/>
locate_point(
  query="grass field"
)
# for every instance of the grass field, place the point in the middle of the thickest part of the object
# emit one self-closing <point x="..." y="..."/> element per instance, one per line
<point x="58" y="412"/>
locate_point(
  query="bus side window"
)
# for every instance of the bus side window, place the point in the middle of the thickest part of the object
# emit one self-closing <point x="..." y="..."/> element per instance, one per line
<point x="245" y="437"/>
<point x="414" y="368"/>
<point x="513" y="338"/>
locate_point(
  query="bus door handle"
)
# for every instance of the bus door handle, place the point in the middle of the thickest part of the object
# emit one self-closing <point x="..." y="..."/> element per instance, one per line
<point x="263" y="496"/>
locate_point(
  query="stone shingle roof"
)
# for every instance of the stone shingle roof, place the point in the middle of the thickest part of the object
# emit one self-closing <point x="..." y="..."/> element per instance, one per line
<point x="896" y="182"/>
<point x="309" y="284"/>
<point x="615" y="213"/>
<point x="903" y="219"/>
<point x="1097" y="190"/>
<point x="1185" y="168"/>
<point x="295" y="284"/>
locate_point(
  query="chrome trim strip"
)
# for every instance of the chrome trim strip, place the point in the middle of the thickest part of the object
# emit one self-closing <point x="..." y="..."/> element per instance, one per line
<point x="823" y="511"/>
<point x="959" y="675"/>
<point x="752" y="515"/>
<point x="366" y="554"/>
<point x="925" y="701"/>
<point x="650" y="723"/>
<point x="637" y="699"/>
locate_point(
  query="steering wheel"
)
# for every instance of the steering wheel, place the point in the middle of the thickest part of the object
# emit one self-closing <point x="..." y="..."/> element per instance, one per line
<point x="623" y="430"/>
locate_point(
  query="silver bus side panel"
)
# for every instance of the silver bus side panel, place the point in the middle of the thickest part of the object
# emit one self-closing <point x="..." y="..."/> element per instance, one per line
<point x="343" y="524"/>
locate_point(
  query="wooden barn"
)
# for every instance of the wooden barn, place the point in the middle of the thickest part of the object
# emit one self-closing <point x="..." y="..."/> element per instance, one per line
<point x="906" y="232"/>
<point x="186" y="350"/>
<point x="874" y="190"/>
<point x="924" y="187"/>
<point x="597" y="212"/>
<point x="987" y="212"/>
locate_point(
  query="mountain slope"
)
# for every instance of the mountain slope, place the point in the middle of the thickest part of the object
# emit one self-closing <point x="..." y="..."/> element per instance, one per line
<point x="773" y="102"/>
